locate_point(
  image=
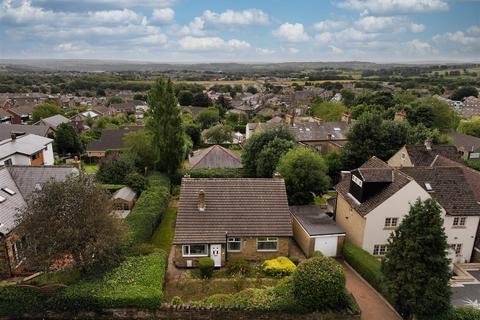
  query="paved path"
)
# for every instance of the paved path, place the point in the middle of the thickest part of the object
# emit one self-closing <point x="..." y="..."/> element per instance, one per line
<point x="371" y="303"/>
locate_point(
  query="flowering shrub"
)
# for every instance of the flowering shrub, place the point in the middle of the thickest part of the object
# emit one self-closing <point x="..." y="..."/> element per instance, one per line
<point x="278" y="267"/>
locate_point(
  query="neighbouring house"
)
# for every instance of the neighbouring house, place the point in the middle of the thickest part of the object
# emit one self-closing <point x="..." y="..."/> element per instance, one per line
<point x="373" y="200"/>
<point x="26" y="149"/>
<point x="110" y="139"/>
<point x="322" y="136"/>
<point x="231" y="218"/>
<point x="123" y="201"/>
<point x="17" y="184"/>
<point x="6" y="130"/>
<point x="53" y="122"/>
<point x="422" y="154"/>
<point x="314" y="230"/>
<point x="469" y="146"/>
<point x="215" y="156"/>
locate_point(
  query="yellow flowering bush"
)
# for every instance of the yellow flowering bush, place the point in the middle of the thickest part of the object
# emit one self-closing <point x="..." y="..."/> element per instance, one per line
<point x="278" y="267"/>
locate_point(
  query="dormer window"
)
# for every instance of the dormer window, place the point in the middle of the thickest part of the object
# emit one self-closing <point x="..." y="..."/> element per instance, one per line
<point x="428" y="186"/>
<point x="357" y="180"/>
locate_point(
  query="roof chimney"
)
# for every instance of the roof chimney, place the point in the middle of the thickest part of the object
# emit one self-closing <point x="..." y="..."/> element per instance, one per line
<point x="346" y="117"/>
<point x="329" y="136"/>
<point x="201" y="200"/>
<point x="428" y="144"/>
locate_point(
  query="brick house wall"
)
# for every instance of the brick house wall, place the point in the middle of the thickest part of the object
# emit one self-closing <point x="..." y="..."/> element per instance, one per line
<point x="248" y="252"/>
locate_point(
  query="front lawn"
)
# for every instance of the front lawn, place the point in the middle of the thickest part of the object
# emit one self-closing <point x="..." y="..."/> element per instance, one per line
<point x="163" y="236"/>
<point x="90" y="168"/>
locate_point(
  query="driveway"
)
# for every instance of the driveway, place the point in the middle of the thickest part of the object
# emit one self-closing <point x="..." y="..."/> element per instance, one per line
<point x="371" y="303"/>
<point x="468" y="293"/>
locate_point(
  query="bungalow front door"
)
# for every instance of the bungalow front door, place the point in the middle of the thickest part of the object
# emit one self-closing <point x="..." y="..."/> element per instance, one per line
<point x="216" y="254"/>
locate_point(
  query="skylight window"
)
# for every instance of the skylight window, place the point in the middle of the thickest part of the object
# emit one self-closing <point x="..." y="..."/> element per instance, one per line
<point x="337" y="129"/>
<point x="428" y="186"/>
<point x="9" y="191"/>
<point x="2" y="199"/>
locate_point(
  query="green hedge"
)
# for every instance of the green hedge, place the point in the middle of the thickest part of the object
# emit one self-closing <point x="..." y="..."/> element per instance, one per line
<point x="136" y="282"/>
<point x="214" y="173"/>
<point x="149" y="209"/>
<point x="466" y="313"/>
<point x="366" y="265"/>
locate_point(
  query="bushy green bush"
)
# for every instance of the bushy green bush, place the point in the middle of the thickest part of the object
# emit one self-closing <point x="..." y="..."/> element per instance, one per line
<point x="206" y="266"/>
<point x="136" y="181"/>
<point x="149" y="209"/>
<point x="176" y="301"/>
<point x="466" y="313"/>
<point x="366" y="265"/>
<point x="319" y="284"/>
<point x="16" y="300"/>
<point x="278" y="267"/>
<point x="214" y="173"/>
<point x="238" y="266"/>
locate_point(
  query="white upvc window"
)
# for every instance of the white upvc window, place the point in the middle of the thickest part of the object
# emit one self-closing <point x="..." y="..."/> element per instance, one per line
<point x="234" y="244"/>
<point x="391" y="222"/>
<point x="267" y="244"/>
<point x="457" y="247"/>
<point x="459" y="221"/>
<point x="195" y="250"/>
<point x="379" y="249"/>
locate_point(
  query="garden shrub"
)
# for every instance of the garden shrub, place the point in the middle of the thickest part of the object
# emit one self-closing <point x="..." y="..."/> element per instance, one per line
<point x="136" y="181"/>
<point x="317" y="254"/>
<point x="113" y="168"/>
<point x="319" y="284"/>
<point x="142" y="249"/>
<point x="149" y="209"/>
<point x="466" y="313"/>
<point x="176" y="301"/>
<point x="206" y="266"/>
<point x="238" y="266"/>
<point x="17" y="300"/>
<point x="366" y="265"/>
<point x="278" y="267"/>
<point x="214" y="173"/>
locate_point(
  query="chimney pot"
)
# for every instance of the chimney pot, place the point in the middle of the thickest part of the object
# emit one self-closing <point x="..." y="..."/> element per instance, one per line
<point x="428" y="144"/>
<point x="201" y="200"/>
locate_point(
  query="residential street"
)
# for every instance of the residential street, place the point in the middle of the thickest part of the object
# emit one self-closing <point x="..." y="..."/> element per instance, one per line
<point x="371" y="303"/>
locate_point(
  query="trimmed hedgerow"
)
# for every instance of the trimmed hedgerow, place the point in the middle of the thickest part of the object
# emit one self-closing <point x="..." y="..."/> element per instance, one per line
<point x="149" y="209"/>
<point x="136" y="282"/>
<point x="214" y="173"/>
<point x="366" y="265"/>
<point x="466" y="313"/>
<point x="278" y="267"/>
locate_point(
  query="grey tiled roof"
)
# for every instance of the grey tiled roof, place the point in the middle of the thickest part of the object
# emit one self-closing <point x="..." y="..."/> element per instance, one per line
<point x="450" y="188"/>
<point x="312" y="131"/>
<point x="469" y="143"/>
<point x="53" y="121"/>
<point x="215" y="157"/>
<point x="111" y="139"/>
<point x="399" y="180"/>
<point x="22" y="180"/>
<point x="240" y="207"/>
<point x="420" y="156"/>
<point x="7" y="129"/>
<point x="315" y="221"/>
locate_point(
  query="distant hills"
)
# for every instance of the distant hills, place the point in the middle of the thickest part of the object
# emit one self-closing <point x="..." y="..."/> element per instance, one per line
<point x="118" y="66"/>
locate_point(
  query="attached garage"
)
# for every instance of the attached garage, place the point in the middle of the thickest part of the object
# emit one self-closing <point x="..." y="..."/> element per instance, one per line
<point x="314" y="231"/>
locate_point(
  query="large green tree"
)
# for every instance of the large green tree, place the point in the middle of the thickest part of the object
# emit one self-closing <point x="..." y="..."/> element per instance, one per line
<point x="165" y="126"/>
<point x="470" y="127"/>
<point x="67" y="140"/>
<point x="433" y="113"/>
<point x="256" y="143"/>
<point x="219" y="134"/>
<point x="464" y="92"/>
<point x="208" y="117"/>
<point x="305" y="174"/>
<point x="416" y="266"/>
<point x="69" y="220"/>
<point x="270" y="155"/>
<point x="140" y="149"/>
<point x="45" y="110"/>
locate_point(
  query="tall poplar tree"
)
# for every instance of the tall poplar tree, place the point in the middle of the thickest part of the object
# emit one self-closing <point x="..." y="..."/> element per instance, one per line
<point x="416" y="266"/>
<point x="165" y="125"/>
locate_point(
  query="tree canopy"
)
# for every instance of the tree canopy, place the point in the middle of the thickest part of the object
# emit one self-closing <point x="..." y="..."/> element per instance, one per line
<point x="470" y="127"/>
<point x="208" y="117"/>
<point x="45" y="110"/>
<point x="67" y="140"/>
<point x="416" y="266"/>
<point x="70" y="220"/>
<point x="219" y="134"/>
<point x="464" y="92"/>
<point x="165" y="126"/>
<point x="305" y="174"/>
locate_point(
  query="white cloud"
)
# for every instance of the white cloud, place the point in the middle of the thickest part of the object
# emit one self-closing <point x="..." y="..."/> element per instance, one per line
<point x="195" y="27"/>
<point x="335" y="50"/>
<point x="67" y="47"/>
<point x="324" y="37"/>
<point x="394" y="6"/>
<point x="458" y="37"/>
<point x="231" y="17"/>
<point x="153" y="39"/>
<point x="474" y="30"/>
<point x="291" y="32"/>
<point x="116" y="16"/>
<point x="328" y="25"/>
<point x="388" y="24"/>
<point x="127" y="3"/>
<point x="165" y="15"/>
<point x="23" y="12"/>
<point x="351" y="34"/>
<point x="211" y="43"/>
<point x="264" y="51"/>
<point x="293" y="50"/>
<point x="417" y="46"/>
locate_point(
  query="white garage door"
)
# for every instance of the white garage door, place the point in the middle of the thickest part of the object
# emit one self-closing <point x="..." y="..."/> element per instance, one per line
<point x="326" y="245"/>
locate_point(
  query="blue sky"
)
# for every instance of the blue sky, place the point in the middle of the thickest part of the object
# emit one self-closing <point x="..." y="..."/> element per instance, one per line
<point x="241" y="31"/>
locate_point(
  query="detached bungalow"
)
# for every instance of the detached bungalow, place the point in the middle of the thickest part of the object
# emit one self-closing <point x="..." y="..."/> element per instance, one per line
<point x="231" y="218"/>
<point x="215" y="156"/>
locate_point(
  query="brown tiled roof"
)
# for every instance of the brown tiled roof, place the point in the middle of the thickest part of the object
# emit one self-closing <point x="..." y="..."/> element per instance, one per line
<point x="215" y="157"/>
<point x="420" y="156"/>
<point x="399" y="180"/>
<point x="240" y="207"/>
<point x="468" y="143"/>
<point x="376" y="174"/>
<point x="111" y="139"/>
<point x="450" y="188"/>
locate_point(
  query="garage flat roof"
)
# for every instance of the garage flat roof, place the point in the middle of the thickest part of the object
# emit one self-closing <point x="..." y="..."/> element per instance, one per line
<point x="315" y="221"/>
